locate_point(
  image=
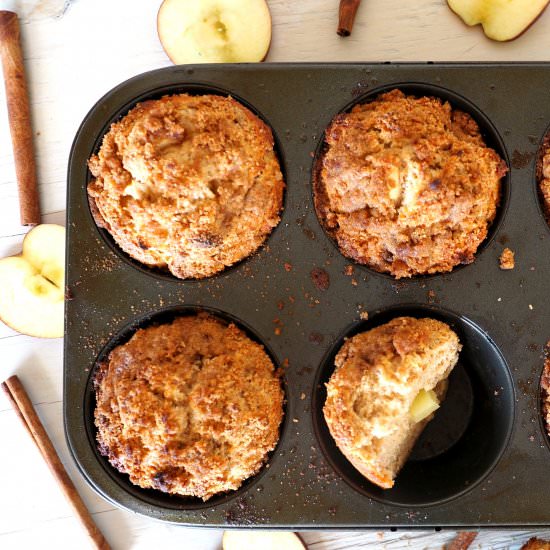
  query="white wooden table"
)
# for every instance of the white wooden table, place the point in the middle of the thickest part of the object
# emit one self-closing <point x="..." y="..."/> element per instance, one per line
<point x="73" y="56"/>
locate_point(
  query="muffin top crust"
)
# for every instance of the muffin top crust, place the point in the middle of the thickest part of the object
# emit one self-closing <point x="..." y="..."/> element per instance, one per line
<point x="187" y="183"/>
<point x="543" y="176"/>
<point x="191" y="407"/>
<point x="377" y="376"/>
<point x="406" y="185"/>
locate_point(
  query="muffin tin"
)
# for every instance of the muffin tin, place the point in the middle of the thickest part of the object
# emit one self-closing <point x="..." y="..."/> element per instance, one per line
<point x="484" y="460"/>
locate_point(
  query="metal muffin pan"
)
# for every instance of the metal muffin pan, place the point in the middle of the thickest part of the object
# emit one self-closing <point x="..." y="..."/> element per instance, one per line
<point x="484" y="460"/>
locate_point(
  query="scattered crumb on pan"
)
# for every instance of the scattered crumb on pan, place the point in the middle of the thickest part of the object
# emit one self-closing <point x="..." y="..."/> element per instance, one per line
<point x="507" y="260"/>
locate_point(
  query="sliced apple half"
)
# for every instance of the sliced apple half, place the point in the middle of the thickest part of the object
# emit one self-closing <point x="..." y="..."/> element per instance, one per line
<point x="264" y="540"/>
<point x="214" y="31"/>
<point x="502" y="20"/>
<point x="32" y="284"/>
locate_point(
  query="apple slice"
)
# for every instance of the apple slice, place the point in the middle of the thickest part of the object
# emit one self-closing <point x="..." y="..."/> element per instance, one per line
<point x="265" y="540"/>
<point x="31" y="284"/>
<point x="214" y="31"/>
<point x="424" y="404"/>
<point x="502" y="20"/>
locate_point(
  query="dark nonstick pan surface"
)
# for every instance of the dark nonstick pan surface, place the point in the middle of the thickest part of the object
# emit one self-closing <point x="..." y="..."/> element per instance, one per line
<point x="484" y="461"/>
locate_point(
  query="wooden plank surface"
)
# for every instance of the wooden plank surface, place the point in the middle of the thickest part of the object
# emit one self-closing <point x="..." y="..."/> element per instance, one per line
<point x="75" y="52"/>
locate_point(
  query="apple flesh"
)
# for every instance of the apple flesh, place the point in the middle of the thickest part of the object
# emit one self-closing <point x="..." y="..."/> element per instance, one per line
<point x="31" y="284"/>
<point x="214" y="31"/>
<point x="264" y="540"/>
<point x="502" y="20"/>
<point x="424" y="404"/>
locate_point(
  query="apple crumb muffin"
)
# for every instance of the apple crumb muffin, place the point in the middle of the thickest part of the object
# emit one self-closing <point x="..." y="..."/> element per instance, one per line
<point x="372" y="391"/>
<point x="543" y="175"/>
<point x="187" y="183"/>
<point x="191" y="407"/>
<point x="406" y="185"/>
<point x="545" y="392"/>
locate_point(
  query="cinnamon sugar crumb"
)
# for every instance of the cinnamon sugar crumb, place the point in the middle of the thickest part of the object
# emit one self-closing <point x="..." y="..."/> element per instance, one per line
<point x="507" y="260"/>
<point x="349" y="270"/>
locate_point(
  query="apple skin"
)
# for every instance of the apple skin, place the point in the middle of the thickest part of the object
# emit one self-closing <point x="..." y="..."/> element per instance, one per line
<point x="510" y="38"/>
<point x="170" y="55"/>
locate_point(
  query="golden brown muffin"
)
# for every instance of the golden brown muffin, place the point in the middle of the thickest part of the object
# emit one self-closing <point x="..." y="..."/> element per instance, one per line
<point x="536" y="544"/>
<point x="543" y="175"/>
<point x="545" y="392"/>
<point x="406" y="185"/>
<point x="187" y="183"/>
<point x="192" y="407"/>
<point x="378" y="375"/>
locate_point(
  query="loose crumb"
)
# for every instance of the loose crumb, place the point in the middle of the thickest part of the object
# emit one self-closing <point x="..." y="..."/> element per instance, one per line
<point x="364" y="315"/>
<point x="507" y="260"/>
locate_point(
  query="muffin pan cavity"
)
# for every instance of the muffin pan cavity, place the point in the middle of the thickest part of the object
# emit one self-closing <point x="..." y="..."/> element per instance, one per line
<point x="488" y="131"/>
<point x="299" y="296"/>
<point x="151" y="496"/>
<point x="194" y="89"/>
<point x="468" y="434"/>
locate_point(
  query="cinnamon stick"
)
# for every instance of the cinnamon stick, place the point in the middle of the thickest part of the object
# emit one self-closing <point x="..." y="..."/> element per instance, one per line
<point x="19" y="117"/>
<point x="462" y="541"/>
<point x="25" y="411"/>
<point x="346" y="16"/>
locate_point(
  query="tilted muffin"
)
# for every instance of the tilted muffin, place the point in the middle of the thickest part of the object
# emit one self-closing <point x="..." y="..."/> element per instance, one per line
<point x="382" y="377"/>
<point x="192" y="407"/>
<point x="187" y="183"/>
<point x="406" y="185"/>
